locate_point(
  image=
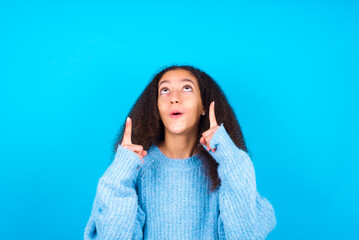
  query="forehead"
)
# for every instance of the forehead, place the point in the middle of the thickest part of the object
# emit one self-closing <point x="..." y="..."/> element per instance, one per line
<point x="177" y="75"/>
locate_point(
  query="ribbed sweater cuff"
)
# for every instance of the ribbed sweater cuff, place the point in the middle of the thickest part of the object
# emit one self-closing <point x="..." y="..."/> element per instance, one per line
<point x="123" y="169"/>
<point x="227" y="153"/>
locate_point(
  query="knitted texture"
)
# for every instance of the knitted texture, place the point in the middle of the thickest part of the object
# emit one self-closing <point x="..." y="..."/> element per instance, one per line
<point x="170" y="198"/>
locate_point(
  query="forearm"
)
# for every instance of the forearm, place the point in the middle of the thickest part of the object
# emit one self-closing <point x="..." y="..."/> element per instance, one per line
<point x="115" y="209"/>
<point x="245" y="214"/>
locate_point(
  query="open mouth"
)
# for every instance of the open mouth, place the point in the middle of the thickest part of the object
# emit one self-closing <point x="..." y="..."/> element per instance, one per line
<point x="176" y="114"/>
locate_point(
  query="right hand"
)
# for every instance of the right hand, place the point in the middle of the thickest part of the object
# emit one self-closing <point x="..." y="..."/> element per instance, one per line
<point x="127" y="143"/>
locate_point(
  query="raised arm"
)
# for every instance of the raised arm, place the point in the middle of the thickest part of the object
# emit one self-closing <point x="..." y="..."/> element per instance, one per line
<point x="116" y="213"/>
<point x="244" y="213"/>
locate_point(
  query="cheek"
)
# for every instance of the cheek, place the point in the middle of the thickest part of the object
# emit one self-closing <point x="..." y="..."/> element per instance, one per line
<point x="197" y="105"/>
<point x="160" y="107"/>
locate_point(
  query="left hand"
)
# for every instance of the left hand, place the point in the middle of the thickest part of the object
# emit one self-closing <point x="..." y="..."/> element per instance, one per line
<point x="207" y="135"/>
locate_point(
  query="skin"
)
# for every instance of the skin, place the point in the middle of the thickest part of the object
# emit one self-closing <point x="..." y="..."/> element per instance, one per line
<point x="213" y="126"/>
<point x="180" y="133"/>
<point x="127" y="143"/>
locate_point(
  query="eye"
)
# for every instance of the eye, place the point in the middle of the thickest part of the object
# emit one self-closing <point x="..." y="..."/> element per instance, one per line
<point x="185" y="87"/>
<point x="188" y="86"/>
<point x="162" y="90"/>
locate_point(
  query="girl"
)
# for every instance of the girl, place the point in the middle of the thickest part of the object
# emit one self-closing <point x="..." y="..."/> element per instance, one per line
<point x="176" y="173"/>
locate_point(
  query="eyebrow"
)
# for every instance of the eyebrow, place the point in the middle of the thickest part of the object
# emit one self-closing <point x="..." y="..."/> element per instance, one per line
<point x="182" y="80"/>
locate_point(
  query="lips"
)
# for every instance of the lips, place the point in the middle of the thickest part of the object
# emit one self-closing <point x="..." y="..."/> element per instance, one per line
<point x="175" y="114"/>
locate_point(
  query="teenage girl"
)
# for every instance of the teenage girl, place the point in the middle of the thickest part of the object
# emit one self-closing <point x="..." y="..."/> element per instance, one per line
<point x="181" y="168"/>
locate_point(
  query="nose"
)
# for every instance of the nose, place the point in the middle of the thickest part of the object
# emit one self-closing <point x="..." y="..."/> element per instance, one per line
<point x="175" y="97"/>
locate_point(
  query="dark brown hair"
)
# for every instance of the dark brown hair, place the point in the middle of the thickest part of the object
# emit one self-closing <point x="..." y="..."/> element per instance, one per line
<point x="144" y="113"/>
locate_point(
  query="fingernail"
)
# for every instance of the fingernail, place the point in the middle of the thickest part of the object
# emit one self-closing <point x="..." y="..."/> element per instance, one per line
<point x="128" y="119"/>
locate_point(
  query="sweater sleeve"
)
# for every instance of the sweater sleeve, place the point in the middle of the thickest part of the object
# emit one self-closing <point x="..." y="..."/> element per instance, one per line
<point x="115" y="212"/>
<point x="244" y="213"/>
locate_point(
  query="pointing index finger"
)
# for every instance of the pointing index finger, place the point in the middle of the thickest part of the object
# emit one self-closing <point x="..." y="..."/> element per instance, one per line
<point x="212" y="116"/>
<point x="128" y="132"/>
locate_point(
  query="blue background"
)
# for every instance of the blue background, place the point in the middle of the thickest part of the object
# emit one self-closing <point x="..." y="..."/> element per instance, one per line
<point x="70" y="72"/>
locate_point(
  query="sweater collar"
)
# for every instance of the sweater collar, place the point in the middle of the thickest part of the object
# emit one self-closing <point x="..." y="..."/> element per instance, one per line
<point x="185" y="163"/>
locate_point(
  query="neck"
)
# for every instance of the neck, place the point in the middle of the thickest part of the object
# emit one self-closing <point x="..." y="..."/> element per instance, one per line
<point x="179" y="146"/>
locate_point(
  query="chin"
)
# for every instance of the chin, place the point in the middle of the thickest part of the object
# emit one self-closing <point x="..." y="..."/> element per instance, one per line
<point x="178" y="128"/>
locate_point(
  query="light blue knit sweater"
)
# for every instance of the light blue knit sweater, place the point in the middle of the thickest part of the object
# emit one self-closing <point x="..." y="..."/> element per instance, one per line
<point x="170" y="199"/>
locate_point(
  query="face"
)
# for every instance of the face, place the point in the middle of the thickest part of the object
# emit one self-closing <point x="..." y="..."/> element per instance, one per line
<point x="178" y="91"/>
